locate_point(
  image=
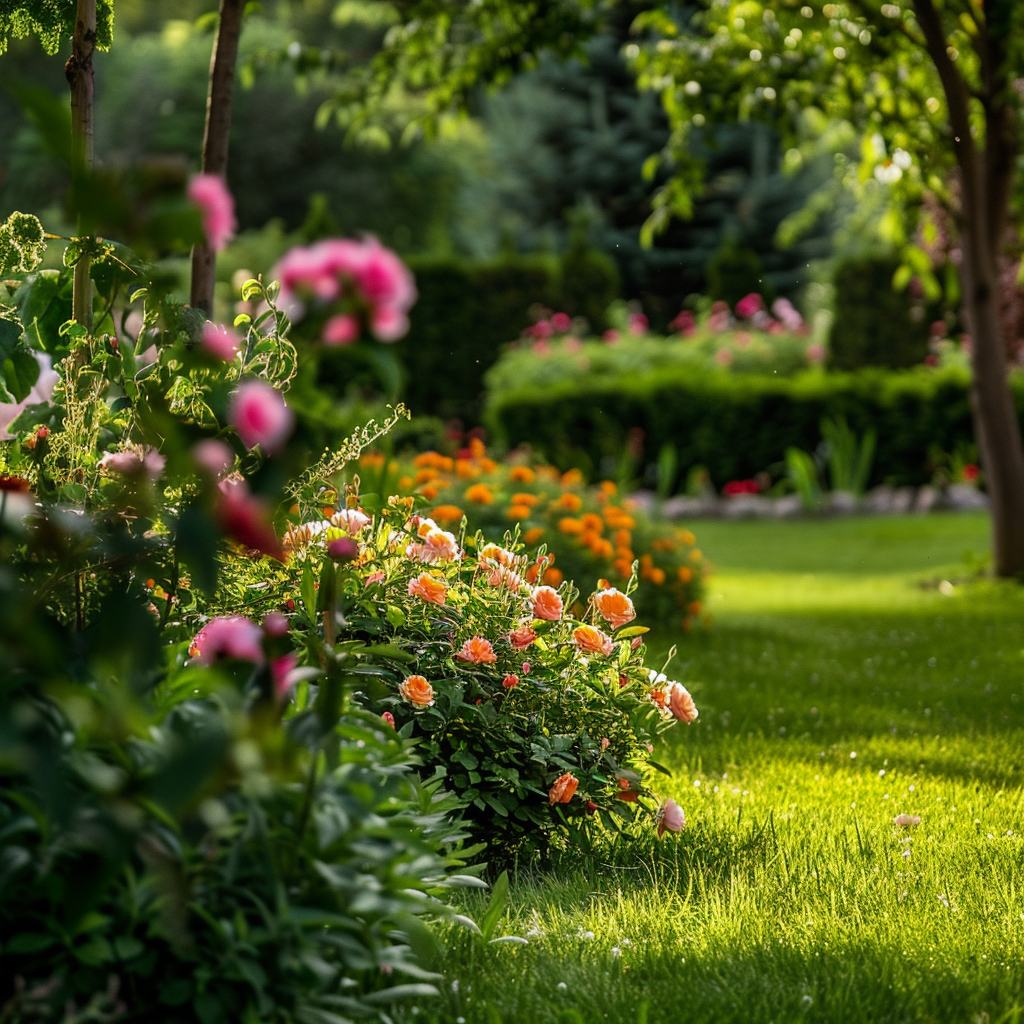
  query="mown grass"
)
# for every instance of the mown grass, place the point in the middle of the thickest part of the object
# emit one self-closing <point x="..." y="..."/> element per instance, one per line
<point x="838" y="687"/>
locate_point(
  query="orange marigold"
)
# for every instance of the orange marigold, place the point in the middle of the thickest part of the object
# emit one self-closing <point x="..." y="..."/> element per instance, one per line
<point x="533" y="535"/>
<point x="522" y="475"/>
<point x="571" y="478"/>
<point x="465" y="470"/>
<point x="480" y="494"/>
<point x="569" y="526"/>
<point x="685" y="574"/>
<point x="570" y="502"/>
<point x="405" y="482"/>
<point x="696" y="555"/>
<point x="524" y="498"/>
<point x="429" y="491"/>
<point x="693" y="608"/>
<point x="518" y="512"/>
<point x="448" y="513"/>
<point x="423" y="475"/>
<point x="553" y="577"/>
<point x="686" y="537"/>
<point x="592" y="522"/>
<point x="657" y="576"/>
<point x="372" y="460"/>
<point x="623" y="538"/>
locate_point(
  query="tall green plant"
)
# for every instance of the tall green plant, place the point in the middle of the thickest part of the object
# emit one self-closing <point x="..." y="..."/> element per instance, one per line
<point x="849" y="460"/>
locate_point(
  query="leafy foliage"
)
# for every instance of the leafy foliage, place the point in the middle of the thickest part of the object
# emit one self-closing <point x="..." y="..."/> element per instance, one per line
<point x="53" y="21"/>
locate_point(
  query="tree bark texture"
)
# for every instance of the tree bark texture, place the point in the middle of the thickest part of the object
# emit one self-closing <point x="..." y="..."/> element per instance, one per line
<point x="216" y="136"/>
<point x="79" y="73"/>
<point x="986" y="177"/>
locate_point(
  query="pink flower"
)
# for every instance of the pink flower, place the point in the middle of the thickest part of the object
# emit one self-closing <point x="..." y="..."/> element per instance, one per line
<point x="906" y="820"/>
<point x="341" y="330"/>
<point x="815" y="353"/>
<point x="213" y="457"/>
<point x="259" y="413"/>
<point x="680" y="703"/>
<point x="246" y="519"/>
<point x="389" y="323"/>
<point x="749" y="305"/>
<point x="283" y="671"/>
<point x="723" y="357"/>
<point x="351" y="520"/>
<point x="438" y="546"/>
<point x="230" y="636"/>
<point x="510" y="680"/>
<point x="146" y="462"/>
<point x="610" y="337"/>
<point x="343" y="549"/>
<point x="384" y="279"/>
<point x="211" y="195"/>
<point x="526" y="668"/>
<point x="389" y="718"/>
<point x="478" y="651"/>
<point x="275" y="624"/>
<point x="220" y="341"/>
<point x="684" y="323"/>
<point x="561" y="322"/>
<point x="521" y="637"/>
<point x="374" y="577"/>
<point x="670" y="817"/>
<point x="786" y="312"/>
<point x="605" y="742"/>
<point x="637" y="324"/>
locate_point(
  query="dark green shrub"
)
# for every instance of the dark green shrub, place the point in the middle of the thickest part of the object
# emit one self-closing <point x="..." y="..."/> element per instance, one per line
<point x="875" y="325"/>
<point x="735" y="271"/>
<point x="590" y="284"/>
<point x="739" y="425"/>
<point x="464" y="314"/>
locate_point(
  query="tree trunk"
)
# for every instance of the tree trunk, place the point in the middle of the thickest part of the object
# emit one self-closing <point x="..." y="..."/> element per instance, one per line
<point x="79" y="73"/>
<point x="999" y="434"/>
<point x="215" y="138"/>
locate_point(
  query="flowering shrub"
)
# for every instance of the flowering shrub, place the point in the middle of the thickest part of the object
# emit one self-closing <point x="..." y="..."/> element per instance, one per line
<point x="570" y="530"/>
<point x="530" y="704"/>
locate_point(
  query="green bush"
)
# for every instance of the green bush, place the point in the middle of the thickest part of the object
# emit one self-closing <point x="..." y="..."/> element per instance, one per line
<point x="737" y="426"/>
<point x="734" y="272"/>
<point x="875" y="325"/>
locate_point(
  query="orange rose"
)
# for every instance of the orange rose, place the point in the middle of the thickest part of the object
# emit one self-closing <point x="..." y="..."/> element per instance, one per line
<point x="563" y="789"/>
<point x="521" y="637"/>
<point x="497" y="554"/>
<point x="680" y="703"/>
<point x="614" y="607"/>
<point x="430" y="588"/>
<point x="478" y="651"/>
<point x="417" y="691"/>
<point x="592" y="641"/>
<point x="547" y="604"/>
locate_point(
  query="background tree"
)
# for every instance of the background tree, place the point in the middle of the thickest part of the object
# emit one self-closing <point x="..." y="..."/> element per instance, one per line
<point x="933" y="87"/>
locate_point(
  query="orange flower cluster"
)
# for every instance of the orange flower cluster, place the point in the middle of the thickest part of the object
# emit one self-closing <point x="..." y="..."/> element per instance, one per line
<point x="584" y="531"/>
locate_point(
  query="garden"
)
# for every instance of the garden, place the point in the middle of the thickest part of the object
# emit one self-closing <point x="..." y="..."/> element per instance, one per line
<point x="511" y="512"/>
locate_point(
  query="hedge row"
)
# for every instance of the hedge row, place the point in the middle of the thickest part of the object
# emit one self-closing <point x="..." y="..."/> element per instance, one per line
<point x="736" y="426"/>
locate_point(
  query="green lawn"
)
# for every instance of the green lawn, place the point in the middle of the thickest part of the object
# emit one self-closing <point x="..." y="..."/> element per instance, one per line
<point x="854" y="671"/>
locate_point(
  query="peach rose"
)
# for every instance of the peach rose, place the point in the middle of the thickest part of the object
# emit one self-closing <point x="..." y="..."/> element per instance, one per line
<point x="495" y="553"/>
<point x="417" y="691"/>
<point x="478" y="651"/>
<point x="614" y="607"/>
<point x="670" y="817"/>
<point x="522" y="637"/>
<point x="351" y="520"/>
<point x="563" y="789"/>
<point x="680" y="703"/>
<point x="430" y="588"/>
<point x="592" y="641"/>
<point x="547" y="604"/>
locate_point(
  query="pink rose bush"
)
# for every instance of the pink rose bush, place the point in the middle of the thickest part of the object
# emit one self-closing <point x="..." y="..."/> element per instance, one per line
<point x="217" y="206"/>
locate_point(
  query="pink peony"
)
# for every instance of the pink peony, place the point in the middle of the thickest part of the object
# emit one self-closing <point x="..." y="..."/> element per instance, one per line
<point x="259" y="413"/>
<point x="220" y="341"/>
<point x="384" y="279"/>
<point x="230" y="636"/>
<point x="684" y="323"/>
<point x="343" y="549"/>
<point x="788" y="315"/>
<point x="283" y="671"/>
<point x="637" y="324"/>
<point x="561" y="322"/>
<point x="211" y="195"/>
<point x="389" y="323"/>
<point x="275" y="624"/>
<point x="341" y="330"/>
<point x="670" y="817"/>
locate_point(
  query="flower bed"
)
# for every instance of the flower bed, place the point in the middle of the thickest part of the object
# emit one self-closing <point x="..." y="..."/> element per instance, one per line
<point x="577" y="531"/>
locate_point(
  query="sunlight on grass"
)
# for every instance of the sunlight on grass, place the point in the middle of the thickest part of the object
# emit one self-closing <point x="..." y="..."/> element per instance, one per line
<point x="834" y="695"/>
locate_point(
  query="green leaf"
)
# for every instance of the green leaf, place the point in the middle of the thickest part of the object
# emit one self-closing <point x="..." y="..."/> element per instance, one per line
<point x="632" y="631"/>
<point x="95" y="952"/>
<point x="396" y="992"/>
<point x="495" y="906"/>
<point x="30" y="942"/>
<point x="18" y="367"/>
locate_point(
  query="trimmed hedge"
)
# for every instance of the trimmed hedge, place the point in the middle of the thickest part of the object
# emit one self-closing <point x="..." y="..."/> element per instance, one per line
<point x="736" y="426"/>
<point x="466" y="313"/>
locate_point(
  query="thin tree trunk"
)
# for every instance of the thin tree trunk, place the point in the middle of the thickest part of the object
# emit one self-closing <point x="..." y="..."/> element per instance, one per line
<point x="215" y="138"/>
<point x="79" y="73"/>
<point x="999" y="435"/>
